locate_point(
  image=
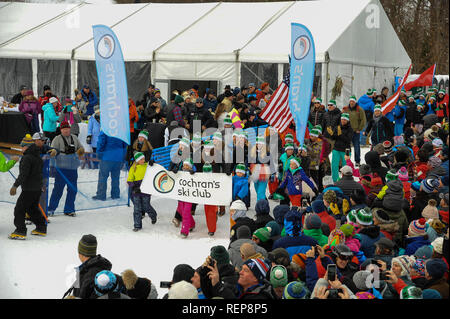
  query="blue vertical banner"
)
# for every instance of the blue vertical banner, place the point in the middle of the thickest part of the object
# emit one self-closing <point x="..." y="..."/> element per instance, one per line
<point x="114" y="115"/>
<point x="303" y="61"/>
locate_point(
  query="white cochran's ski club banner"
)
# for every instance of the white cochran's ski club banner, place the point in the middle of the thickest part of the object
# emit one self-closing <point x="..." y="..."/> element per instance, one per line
<point x="199" y="188"/>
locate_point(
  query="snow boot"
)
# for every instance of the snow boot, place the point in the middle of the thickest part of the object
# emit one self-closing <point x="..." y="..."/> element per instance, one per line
<point x="72" y="214"/>
<point x="176" y="222"/>
<point x="37" y="232"/>
<point x="136" y="229"/>
<point x="19" y="236"/>
<point x="183" y="235"/>
<point x="96" y="197"/>
<point x="211" y="233"/>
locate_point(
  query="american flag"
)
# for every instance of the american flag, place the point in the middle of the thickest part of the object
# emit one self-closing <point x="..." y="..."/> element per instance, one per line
<point x="277" y="112"/>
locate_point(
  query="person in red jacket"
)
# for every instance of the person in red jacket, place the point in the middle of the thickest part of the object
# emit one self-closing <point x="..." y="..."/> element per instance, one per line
<point x="319" y="208"/>
<point x="134" y="117"/>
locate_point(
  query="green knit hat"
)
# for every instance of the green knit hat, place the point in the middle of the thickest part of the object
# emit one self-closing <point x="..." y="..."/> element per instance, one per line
<point x="296" y="160"/>
<point x="392" y="175"/>
<point x="278" y="276"/>
<point x="377" y="107"/>
<point x="197" y="138"/>
<point x="227" y="120"/>
<point x="347" y="229"/>
<point x="87" y="246"/>
<point x="138" y="156"/>
<point x="345" y="116"/>
<point x="364" y="217"/>
<point x="420" y="105"/>
<point x="289" y="137"/>
<point x="220" y="254"/>
<point x="188" y="161"/>
<point x="178" y="99"/>
<point x="208" y="144"/>
<point x="369" y="92"/>
<point x="318" y="100"/>
<point x="351" y="216"/>
<point x="263" y="233"/>
<point x="240" y="168"/>
<point x="430" y="91"/>
<point x="318" y="127"/>
<point x="185" y="142"/>
<point x="207" y="168"/>
<point x="433" y="97"/>
<point x="332" y="102"/>
<point x="352" y="98"/>
<point x="217" y="136"/>
<point x="296" y="290"/>
<point x="314" y="133"/>
<point x="288" y="146"/>
<point x="243" y="134"/>
<point x="260" y="140"/>
<point x="144" y="134"/>
<point x="441" y="92"/>
<point x="411" y="292"/>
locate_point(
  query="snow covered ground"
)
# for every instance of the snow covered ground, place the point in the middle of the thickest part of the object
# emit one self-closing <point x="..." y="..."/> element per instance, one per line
<point x="43" y="268"/>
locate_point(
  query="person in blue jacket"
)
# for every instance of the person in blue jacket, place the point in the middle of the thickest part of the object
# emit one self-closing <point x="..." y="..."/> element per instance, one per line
<point x="367" y="103"/>
<point x="399" y="117"/>
<point x="294" y="241"/>
<point x="90" y="98"/>
<point x="241" y="186"/>
<point x="93" y="133"/>
<point x="431" y="104"/>
<point x="50" y="118"/>
<point x="420" y="99"/>
<point x="111" y="152"/>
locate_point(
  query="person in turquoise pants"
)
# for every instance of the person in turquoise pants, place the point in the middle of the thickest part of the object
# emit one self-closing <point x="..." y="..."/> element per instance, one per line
<point x="259" y="167"/>
<point x="342" y="135"/>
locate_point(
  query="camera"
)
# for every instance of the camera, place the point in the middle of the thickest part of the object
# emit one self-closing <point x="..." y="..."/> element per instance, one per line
<point x="69" y="149"/>
<point x="333" y="293"/>
<point x="165" y="284"/>
<point x="384" y="276"/>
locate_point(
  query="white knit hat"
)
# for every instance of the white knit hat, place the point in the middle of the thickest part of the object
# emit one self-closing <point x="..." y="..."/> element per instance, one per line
<point x="238" y="205"/>
<point x="438" y="244"/>
<point x="183" y="290"/>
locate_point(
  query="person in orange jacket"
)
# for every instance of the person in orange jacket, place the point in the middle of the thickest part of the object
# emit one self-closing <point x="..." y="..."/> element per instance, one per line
<point x="134" y="117"/>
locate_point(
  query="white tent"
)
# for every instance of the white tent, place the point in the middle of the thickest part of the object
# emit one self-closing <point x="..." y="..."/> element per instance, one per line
<point x="231" y="43"/>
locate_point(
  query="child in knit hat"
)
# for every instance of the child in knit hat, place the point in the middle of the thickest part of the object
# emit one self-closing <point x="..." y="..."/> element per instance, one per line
<point x="404" y="178"/>
<point x="417" y="236"/>
<point x="141" y="201"/>
<point x="430" y="211"/>
<point x="210" y="210"/>
<point x="184" y="208"/>
<point x="241" y="186"/>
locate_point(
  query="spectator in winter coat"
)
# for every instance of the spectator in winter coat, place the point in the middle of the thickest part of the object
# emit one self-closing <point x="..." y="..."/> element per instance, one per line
<point x="435" y="270"/>
<point x="241" y="188"/>
<point x="388" y="227"/>
<point x="19" y="97"/>
<point x="316" y="113"/>
<point x="314" y="146"/>
<point x="330" y="121"/>
<point x="92" y="263"/>
<point x="411" y="108"/>
<point x="262" y="210"/>
<point x="138" y="287"/>
<point x="134" y="117"/>
<point x="372" y="159"/>
<point x="153" y="112"/>
<point x="31" y="181"/>
<point x="32" y="109"/>
<point x="294" y="242"/>
<point x="342" y="135"/>
<point x="379" y="127"/>
<point x="238" y="217"/>
<point x="243" y="235"/>
<point x="50" y="118"/>
<point x="93" y="130"/>
<point x="369" y="234"/>
<point x="262" y="237"/>
<point x="347" y="184"/>
<point x="70" y="114"/>
<point x="312" y="228"/>
<point x="367" y="103"/>
<point x="357" y="122"/>
<point x="417" y="236"/>
<point x="111" y="152"/>
<point x="90" y="98"/>
<point x="319" y="208"/>
<point x="44" y="99"/>
<point x="80" y="104"/>
<point x="384" y="251"/>
<point x="199" y="113"/>
<point x="391" y="196"/>
<point x="399" y="117"/>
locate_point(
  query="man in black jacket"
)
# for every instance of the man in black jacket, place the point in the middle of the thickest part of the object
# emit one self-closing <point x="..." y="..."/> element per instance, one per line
<point x="342" y="136"/>
<point x="17" y="99"/>
<point x="330" y="121"/>
<point x="30" y="179"/>
<point x="91" y="264"/>
<point x="199" y="112"/>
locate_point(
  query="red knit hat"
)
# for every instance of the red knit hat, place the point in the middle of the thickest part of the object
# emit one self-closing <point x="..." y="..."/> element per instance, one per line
<point x="64" y="124"/>
<point x="417" y="228"/>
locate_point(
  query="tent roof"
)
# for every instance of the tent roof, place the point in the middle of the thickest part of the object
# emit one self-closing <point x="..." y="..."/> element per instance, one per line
<point x="244" y="31"/>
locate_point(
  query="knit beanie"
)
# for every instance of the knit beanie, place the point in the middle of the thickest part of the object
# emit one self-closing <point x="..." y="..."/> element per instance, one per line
<point x="313" y="221"/>
<point x="417" y="228"/>
<point x="332" y="102"/>
<point x="345" y="116"/>
<point x="377" y="107"/>
<point x="185" y="142"/>
<point x="434" y="161"/>
<point x="263" y="234"/>
<point x="138" y="156"/>
<point x="347" y="229"/>
<point x="220" y="254"/>
<point x="411" y="292"/>
<point x="364" y="217"/>
<point x="208" y="144"/>
<point x="330" y="196"/>
<point x="183" y="290"/>
<point x="104" y="282"/>
<point x="391" y="175"/>
<point x="351" y="216"/>
<point x="278" y="276"/>
<point x="197" y="138"/>
<point x="436" y="268"/>
<point x="178" y="99"/>
<point x="430" y="184"/>
<point x="207" y="168"/>
<point x="362" y="281"/>
<point x="278" y="213"/>
<point x="318" y="206"/>
<point x="289" y="138"/>
<point x="398" y="140"/>
<point x="182" y="272"/>
<point x="314" y="133"/>
<point x="382" y="216"/>
<point x="318" y="127"/>
<point x="262" y="207"/>
<point x="403" y="174"/>
<point x="240" y="168"/>
<point x="288" y="146"/>
<point x="387" y="146"/>
<point x="258" y="267"/>
<point x="238" y="205"/>
<point x="419" y="267"/>
<point x="217" y="136"/>
<point x="243" y="232"/>
<point x="87" y="246"/>
<point x="425" y="252"/>
<point x="296" y="160"/>
<point x="296" y="290"/>
<point x="275" y="228"/>
<point x="405" y="263"/>
<point x="364" y="169"/>
<point x="27" y="141"/>
<point x="438" y="245"/>
<point x="144" y="134"/>
<point x="336" y="237"/>
<point x="64" y="125"/>
<point x="352" y="98"/>
<point x="437" y="142"/>
<point x="189" y="162"/>
<point x="430" y="211"/>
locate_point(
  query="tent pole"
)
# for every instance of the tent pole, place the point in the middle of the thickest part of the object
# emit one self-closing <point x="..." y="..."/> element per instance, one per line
<point x="325" y="78"/>
<point x="73" y="76"/>
<point x="34" y="68"/>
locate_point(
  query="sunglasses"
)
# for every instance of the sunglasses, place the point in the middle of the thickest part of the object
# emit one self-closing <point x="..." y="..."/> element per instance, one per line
<point x="345" y="257"/>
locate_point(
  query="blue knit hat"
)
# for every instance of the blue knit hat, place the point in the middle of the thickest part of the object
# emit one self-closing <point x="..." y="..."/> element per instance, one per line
<point x="105" y="281"/>
<point x="318" y="206"/>
<point x="424" y="252"/>
<point x="431" y="294"/>
<point x="436" y="268"/>
<point x="279" y="212"/>
<point x="262" y="207"/>
<point x="296" y="290"/>
<point x="258" y="267"/>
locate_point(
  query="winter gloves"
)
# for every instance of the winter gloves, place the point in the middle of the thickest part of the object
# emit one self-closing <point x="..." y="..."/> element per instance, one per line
<point x="13" y="191"/>
<point x="80" y="151"/>
<point x="53" y="152"/>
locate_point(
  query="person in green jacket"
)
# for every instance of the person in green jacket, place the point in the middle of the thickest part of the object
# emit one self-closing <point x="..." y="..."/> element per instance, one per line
<point x="357" y="122"/>
<point x="312" y="228"/>
<point x="7" y="165"/>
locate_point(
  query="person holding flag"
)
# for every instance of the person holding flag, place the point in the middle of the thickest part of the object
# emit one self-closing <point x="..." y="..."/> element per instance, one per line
<point x="379" y="128"/>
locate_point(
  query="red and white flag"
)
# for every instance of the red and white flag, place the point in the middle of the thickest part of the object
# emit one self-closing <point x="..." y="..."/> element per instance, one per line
<point x="390" y="103"/>
<point x="425" y="79"/>
<point x="277" y="112"/>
